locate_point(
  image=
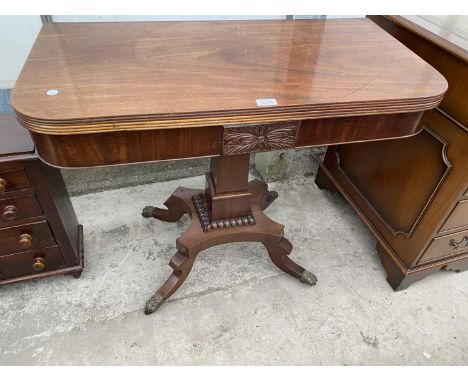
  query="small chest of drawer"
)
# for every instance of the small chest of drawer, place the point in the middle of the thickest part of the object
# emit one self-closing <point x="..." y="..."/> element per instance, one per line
<point x="13" y="180"/>
<point x="446" y="245"/>
<point x="39" y="233"/>
<point x="25" y="237"/>
<point x="30" y="262"/>
<point x="19" y="208"/>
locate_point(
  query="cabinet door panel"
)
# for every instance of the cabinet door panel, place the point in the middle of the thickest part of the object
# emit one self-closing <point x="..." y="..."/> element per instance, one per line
<point x="395" y="179"/>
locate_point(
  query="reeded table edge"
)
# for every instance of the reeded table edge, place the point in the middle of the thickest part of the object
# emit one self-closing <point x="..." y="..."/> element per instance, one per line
<point x="219" y="118"/>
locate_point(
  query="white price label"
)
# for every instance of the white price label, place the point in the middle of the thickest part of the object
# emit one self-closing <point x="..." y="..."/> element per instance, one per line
<point x="267" y="102"/>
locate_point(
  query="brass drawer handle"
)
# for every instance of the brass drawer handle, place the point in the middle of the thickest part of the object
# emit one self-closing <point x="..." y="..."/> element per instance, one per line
<point x="25" y="240"/>
<point x="3" y="184"/>
<point x="38" y="263"/>
<point x="10" y="212"/>
<point x="458" y="244"/>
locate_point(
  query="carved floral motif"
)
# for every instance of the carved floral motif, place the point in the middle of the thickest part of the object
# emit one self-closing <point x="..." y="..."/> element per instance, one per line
<point x="254" y="138"/>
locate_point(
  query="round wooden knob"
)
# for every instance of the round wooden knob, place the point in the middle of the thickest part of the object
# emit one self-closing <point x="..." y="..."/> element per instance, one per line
<point x="9" y="213"/>
<point x="3" y="184"/>
<point x="25" y="240"/>
<point x="38" y="263"/>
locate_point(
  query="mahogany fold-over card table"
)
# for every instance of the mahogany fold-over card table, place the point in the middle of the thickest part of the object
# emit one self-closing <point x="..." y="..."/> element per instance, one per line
<point x="98" y="94"/>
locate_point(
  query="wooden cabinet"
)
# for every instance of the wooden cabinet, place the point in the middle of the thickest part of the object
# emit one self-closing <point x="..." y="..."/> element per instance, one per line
<point x="412" y="192"/>
<point x="39" y="233"/>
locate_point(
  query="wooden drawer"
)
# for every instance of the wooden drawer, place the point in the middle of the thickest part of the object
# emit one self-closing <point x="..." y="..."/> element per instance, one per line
<point x="25" y="237"/>
<point x="11" y="166"/>
<point x="458" y="217"/>
<point x="447" y="245"/>
<point x="31" y="262"/>
<point x="13" y="180"/>
<point x="19" y="208"/>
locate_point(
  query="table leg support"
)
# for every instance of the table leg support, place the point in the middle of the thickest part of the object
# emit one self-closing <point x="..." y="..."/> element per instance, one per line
<point x="173" y="212"/>
<point x="181" y="265"/>
<point x="249" y="224"/>
<point x="279" y="254"/>
<point x="267" y="198"/>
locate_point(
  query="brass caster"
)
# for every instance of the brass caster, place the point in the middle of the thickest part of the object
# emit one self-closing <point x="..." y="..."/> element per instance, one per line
<point x="309" y="278"/>
<point x="153" y="304"/>
<point x="147" y="212"/>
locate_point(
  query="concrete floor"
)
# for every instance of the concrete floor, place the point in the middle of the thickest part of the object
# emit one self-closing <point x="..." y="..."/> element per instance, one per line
<point x="236" y="308"/>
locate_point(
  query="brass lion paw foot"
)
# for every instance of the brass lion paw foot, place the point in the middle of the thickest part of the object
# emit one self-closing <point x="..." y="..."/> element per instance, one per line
<point x="153" y="304"/>
<point x="309" y="278"/>
<point x="148" y="212"/>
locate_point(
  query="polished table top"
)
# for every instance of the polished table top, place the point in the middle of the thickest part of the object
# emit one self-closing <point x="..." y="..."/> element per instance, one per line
<point x="136" y="76"/>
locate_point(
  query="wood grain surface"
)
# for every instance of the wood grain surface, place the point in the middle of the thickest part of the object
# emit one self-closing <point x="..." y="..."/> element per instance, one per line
<point x="127" y="76"/>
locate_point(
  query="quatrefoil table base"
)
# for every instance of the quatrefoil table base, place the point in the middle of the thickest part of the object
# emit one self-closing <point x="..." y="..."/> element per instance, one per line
<point x="211" y="226"/>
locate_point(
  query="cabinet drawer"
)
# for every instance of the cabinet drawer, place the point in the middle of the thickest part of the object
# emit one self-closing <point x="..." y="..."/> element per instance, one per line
<point x="19" y="208"/>
<point x="25" y="237"/>
<point x="447" y="245"/>
<point x="458" y="217"/>
<point x="11" y="166"/>
<point x="13" y="180"/>
<point x="31" y="262"/>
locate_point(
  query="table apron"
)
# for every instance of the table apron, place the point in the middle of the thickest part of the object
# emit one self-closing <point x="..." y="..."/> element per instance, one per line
<point x="123" y="147"/>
